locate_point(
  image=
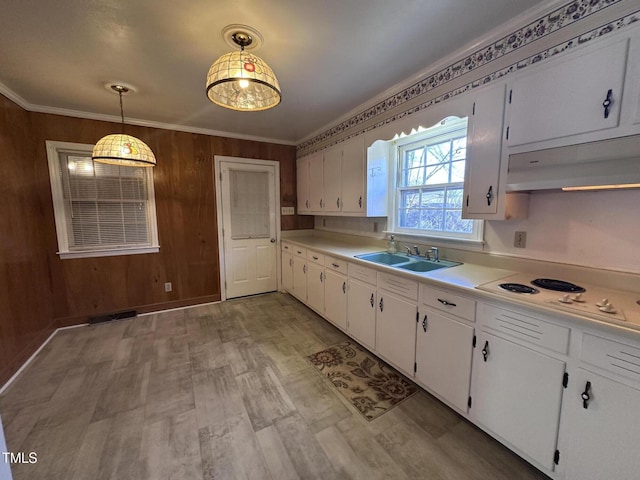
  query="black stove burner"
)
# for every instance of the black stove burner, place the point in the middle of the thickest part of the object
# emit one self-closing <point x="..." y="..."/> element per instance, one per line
<point x="557" y="285"/>
<point x="518" y="288"/>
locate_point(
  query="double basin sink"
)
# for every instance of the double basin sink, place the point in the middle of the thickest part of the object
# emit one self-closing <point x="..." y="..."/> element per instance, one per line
<point x="406" y="262"/>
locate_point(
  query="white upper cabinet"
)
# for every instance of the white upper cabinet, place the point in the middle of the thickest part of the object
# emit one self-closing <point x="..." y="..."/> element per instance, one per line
<point x="302" y="175"/>
<point x="484" y="142"/>
<point x="332" y="177"/>
<point x="485" y="195"/>
<point x="572" y="96"/>
<point x="353" y="176"/>
<point x="316" y="183"/>
<point x="332" y="182"/>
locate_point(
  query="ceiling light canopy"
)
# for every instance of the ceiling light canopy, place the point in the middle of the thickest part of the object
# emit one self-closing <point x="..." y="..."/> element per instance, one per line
<point x="120" y="148"/>
<point x="241" y="80"/>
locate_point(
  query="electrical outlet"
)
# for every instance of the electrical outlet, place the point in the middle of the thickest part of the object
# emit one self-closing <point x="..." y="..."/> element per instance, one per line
<point x="375" y="227"/>
<point x="288" y="211"/>
<point x="520" y="240"/>
<point x="168" y="287"/>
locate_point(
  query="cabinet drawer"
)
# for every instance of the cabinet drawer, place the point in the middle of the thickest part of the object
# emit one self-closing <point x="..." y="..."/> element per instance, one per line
<point x="287" y="247"/>
<point x="527" y="328"/>
<point x="398" y="285"/>
<point x="335" y="264"/>
<point x="299" y="251"/>
<point x="364" y="274"/>
<point x="315" y="257"/>
<point x="448" y="302"/>
<point x="612" y="356"/>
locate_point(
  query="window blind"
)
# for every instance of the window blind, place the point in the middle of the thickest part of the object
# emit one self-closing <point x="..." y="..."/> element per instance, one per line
<point x="105" y="205"/>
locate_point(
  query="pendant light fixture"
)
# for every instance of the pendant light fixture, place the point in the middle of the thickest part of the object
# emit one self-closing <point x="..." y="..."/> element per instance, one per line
<point x="241" y="80"/>
<point x="120" y="148"/>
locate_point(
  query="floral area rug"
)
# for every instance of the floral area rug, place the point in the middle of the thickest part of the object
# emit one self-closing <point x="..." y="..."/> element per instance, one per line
<point x="368" y="383"/>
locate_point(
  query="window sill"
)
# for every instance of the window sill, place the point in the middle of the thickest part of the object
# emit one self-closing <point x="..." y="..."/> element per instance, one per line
<point x="108" y="253"/>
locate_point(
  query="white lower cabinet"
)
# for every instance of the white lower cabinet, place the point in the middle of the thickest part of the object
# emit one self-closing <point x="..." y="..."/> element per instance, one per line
<point x="315" y="287"/>
<point x="299" y="274"/>
<point x="443" y="357"/>
<point x="335" y="289"/>
<point x="603" y="418"/>
<point x="396" y="330"/>
<point x="361" y="312"/>
<point x="287" y="271"/>
<point x="604" y="430"/>
<point x="517" y="395"/>
<point x="315" y="281"/>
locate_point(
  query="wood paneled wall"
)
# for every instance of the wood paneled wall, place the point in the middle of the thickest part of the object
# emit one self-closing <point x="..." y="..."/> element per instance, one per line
<point x="26" y="294"/>
<point x="41" y="292"/>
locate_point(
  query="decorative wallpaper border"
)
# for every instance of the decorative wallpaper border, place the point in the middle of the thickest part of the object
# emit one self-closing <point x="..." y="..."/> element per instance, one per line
<point x="561" y="17"/>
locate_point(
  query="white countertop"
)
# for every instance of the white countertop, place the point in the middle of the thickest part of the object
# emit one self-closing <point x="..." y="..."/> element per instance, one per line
<point x="467" y="276"/>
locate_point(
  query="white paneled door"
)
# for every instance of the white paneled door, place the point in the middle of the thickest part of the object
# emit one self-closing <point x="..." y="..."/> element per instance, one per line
<point x="249" y="222"/>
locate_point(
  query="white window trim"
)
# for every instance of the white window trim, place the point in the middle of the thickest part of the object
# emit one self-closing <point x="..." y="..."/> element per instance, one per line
<point x="55" y="177"/>
<point x="475" y="238"/>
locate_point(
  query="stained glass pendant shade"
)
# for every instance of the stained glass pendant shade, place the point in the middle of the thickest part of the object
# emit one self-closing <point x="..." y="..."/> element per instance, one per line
<point x="242" y="81"/>
<point x="123" y="149"/>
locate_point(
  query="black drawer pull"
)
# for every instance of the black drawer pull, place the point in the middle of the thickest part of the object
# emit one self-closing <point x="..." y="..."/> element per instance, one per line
<point x="372" y="301"/>
<point x="585" y="395"/>
<point x="344" y="287"/>
<point x="489" y="195"/>
<point x="424" y="323"/>
<point x="485" y="350"/>
<point x="381" y="304"/>
<point x="335" y="265"/>
<point x="447" y="304"/>
<point x="607" y="108"/>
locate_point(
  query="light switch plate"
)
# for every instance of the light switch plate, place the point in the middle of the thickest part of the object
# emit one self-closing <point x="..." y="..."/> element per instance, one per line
<point x="288" y="210"/>
<point x="520" y="240"/>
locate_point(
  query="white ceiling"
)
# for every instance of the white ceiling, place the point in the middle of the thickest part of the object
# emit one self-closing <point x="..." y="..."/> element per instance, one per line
<point x="330" y="56"/>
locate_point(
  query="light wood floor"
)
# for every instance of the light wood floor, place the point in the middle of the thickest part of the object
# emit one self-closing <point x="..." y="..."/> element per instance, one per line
<point x="224" y="391"/>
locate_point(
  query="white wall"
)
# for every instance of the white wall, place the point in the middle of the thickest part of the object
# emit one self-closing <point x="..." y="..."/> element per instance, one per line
<point x="591" y="229"/>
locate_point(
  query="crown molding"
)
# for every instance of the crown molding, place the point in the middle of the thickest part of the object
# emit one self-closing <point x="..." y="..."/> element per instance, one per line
<point x="14" y="97"/>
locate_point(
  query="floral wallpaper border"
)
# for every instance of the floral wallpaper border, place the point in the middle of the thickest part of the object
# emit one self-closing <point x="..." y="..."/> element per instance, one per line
<point x="559" y="18"/>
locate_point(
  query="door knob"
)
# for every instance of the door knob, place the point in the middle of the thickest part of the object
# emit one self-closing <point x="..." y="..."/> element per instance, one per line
<point x="273" y="240"/>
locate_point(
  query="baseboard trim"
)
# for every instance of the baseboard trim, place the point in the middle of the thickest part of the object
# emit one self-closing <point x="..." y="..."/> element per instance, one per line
<point x="29" y="358"/>
<point x="144" y="309"/>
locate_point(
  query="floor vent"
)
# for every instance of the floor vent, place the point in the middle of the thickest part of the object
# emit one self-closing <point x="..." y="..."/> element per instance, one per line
<point x="112" y="316"/>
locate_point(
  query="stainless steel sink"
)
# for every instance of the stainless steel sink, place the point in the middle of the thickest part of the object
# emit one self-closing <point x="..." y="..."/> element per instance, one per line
<point x="385" y="258"/>
<point x="406" y="262"/>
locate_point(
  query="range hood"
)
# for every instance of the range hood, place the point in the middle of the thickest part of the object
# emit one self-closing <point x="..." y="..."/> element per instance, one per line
<point x="613" y="163"/>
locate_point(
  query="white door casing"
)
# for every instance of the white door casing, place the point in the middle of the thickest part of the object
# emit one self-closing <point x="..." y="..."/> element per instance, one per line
<point x="248" y="195"/>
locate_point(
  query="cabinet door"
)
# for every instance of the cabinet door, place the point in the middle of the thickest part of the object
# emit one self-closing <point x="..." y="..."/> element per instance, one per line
<point x="361" y="313"/>
<point x="333" y="180"/>
<point x="396" y="331"/>
<point x="353" y="176"/>
<point x="316" y="183"/>
<point x="302" y="179"/>
<point x="443" y="357"/>
<point x="335" y="289"/>
<point x="287" y="272"/>
<point x="300" y="278"/>
<point x="315" y="287"/>
<point x="604" y="436"/>
<point x="566" y="98"/>
<point x="484" y="147"/>
<point x="517" y="396"/>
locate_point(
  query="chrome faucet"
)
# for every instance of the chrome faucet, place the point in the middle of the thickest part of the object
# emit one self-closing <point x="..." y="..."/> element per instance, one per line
<point x="416" y="250"/>
<point x="434" y="252"/>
